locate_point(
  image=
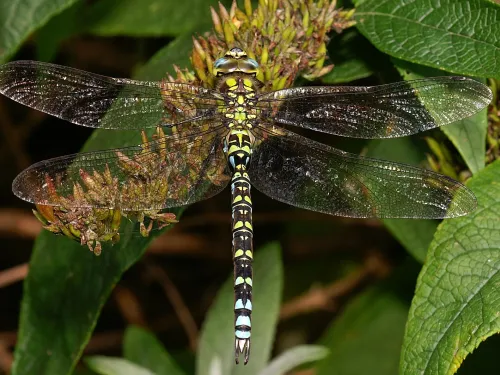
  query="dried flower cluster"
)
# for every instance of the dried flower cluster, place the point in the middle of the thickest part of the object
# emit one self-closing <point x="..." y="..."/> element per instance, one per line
<point x="84" y="215"/>
<point x="286" y="37"/>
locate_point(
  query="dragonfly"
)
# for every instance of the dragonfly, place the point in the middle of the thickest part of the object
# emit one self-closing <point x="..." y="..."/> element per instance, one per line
<point x="237" y="134"/>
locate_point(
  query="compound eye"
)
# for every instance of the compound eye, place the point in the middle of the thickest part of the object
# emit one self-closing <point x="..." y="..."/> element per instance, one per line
<point x="219" y="62"/>
<point x="253" y="63"/>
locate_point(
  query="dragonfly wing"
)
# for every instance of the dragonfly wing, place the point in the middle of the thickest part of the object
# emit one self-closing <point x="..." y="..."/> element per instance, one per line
<point x="167" y="172"/>
<point x="97" y="101"/>
<point x="387" y="111"/>
<point x="311" y="175"/>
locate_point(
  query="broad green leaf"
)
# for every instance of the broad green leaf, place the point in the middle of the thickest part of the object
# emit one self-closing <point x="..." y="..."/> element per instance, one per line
<point x="216" y="346"/>
<point x="414" y="234"/>
<point x="115" y="366"/>
<point x="177" y="53"/>
<point x="454" y="35"/>
<point x="67" y="285"/>
<point x="143" y="348"/>
<point x="126" y="17"/>
<point x="150" y="17"/>
<point x="18" y="19"/>
<point x="456" y="307"/>
<point x="468" y="135"/>
<point x="294" y="357"/>
<point x="352" y="57"/>
<point x="63" y="294"/>
<point x="71" y="21"/>
<point x="367" y="337"/>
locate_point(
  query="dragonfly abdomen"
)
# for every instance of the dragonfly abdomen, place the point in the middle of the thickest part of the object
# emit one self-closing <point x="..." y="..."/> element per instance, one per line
<point x="242" y="258"/>
<point x="238" y="151"/>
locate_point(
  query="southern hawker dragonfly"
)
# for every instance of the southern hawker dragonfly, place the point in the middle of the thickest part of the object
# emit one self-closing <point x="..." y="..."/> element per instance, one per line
<point x="234" y="133"/>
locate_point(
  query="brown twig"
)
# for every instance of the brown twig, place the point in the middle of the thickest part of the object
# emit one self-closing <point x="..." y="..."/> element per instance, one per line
<point x="309" y="371"/>
<point x="19" y="223"/>
<point x="219" y="218"/>
<point x="13" y="275"/>
<point x="8" y="338"/>
<point x="175" y="242"/>
<point x="322" y="298"/>
<point x="181" y="310"/>
<point x="129" y="306"/>
<point x="6" y="358"/>
<point x="105" y="341"/>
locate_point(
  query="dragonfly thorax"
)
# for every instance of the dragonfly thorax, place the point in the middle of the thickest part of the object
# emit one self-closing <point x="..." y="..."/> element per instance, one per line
<point x="240" y="115"/>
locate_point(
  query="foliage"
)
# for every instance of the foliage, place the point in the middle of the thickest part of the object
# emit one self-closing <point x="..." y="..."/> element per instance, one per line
<point x="455" y="306"/>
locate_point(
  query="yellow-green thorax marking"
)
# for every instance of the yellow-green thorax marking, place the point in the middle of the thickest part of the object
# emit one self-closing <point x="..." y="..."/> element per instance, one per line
<point x="235" y="78"/>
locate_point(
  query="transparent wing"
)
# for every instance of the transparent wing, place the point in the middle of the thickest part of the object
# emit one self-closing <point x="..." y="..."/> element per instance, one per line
<point x="311" y="175"/>
<point x="101" y="102"/>
<point x="386" y="111"/>
<point x="167" y="172"/>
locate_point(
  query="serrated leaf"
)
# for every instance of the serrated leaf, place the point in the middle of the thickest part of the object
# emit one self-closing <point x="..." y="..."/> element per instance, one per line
<point x="456" y="307"/>
<point x="294" y="357"/>
<point x="115" y="366"/>
<point x="67" y="285"/>
<point x="414" y="234"/>
<point x="366" y="338"/>
<point x="216" y="346"/>
<point x="467" y="135"/>
<point x="18" y="19"/>
<point x="457" y="36"/>
<point x="143" y="348"/>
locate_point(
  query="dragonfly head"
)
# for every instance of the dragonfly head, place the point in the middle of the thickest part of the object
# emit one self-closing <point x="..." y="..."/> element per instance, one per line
<point x="235" y="60"/>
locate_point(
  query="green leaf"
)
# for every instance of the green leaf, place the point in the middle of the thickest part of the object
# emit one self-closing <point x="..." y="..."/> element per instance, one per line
<point x="216" y="346"/>
<point x="143" y="348"/>
<point x="352" y="57"/>
<point x="177" y="53"/>
<point x="414" y="234"/>
<point x="126" y="17"/>
<point x="458" y="36"/>
<point x="367" y="337"/>
<point x="71" y="21"/>
<point x="294" y="357"/>
<point x="63" y="294"/>
<point x="18" y="19"/>
<point x="468" y="135"/>
<point x="150" y="17"/>
<point x="67" y="285"/>
<point x="456" y="302"/>
<point x="115" y="366"/>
